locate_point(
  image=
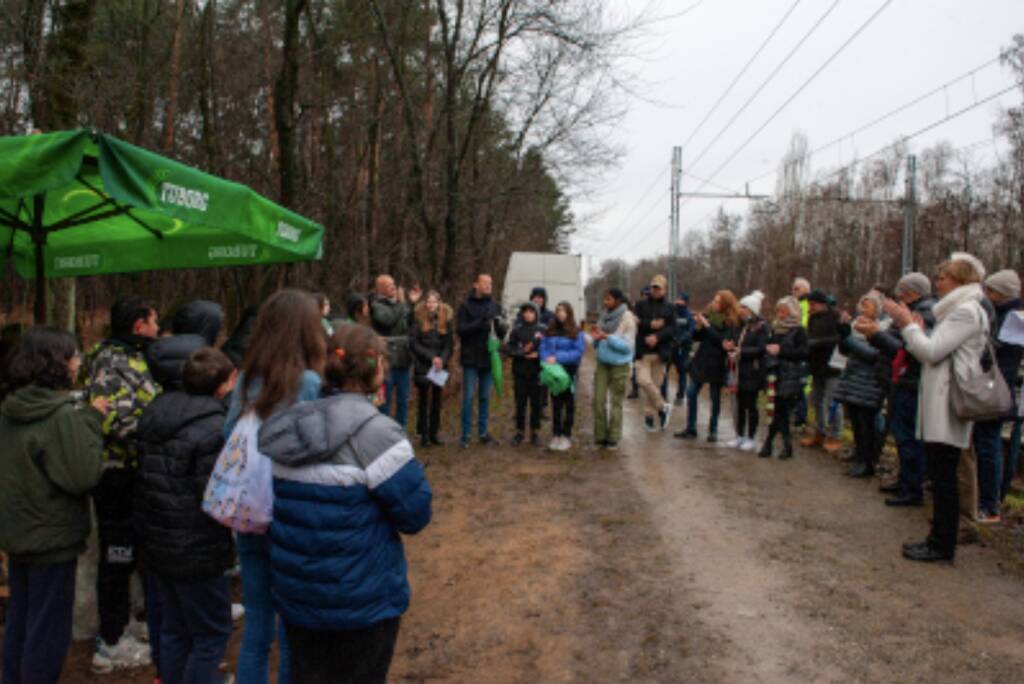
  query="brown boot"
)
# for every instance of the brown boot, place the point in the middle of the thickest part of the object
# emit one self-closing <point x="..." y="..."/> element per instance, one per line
<point x="833" y="445"/>
<point x="812" y="440"/>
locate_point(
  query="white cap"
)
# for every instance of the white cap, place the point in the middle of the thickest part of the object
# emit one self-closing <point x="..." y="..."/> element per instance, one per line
<point x="753" y="302"/>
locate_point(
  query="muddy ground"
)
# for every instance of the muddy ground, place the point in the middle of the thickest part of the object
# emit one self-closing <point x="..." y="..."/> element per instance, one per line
<point x="672" y="562"/>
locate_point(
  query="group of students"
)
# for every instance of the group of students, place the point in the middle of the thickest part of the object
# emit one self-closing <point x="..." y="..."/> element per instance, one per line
<point x="141" y="440"/>
<point x="891" y="368"/>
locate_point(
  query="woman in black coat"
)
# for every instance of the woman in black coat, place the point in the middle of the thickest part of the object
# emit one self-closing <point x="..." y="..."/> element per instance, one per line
<point x="863" y="386"/>
<point x="431" y="346"/>
<point x="786" y="365"/>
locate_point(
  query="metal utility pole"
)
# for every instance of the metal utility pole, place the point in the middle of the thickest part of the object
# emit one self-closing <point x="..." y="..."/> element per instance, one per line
<point x="909" y="214"/>
<point x="673" y="238"/>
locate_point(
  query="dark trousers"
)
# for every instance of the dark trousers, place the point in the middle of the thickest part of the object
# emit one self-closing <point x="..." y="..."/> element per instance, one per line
<point x="38" y="630"/>
<point x="682" y="364"/>
<point x="800" y="408"/>
<point x="865" y="435"/>
<point x="903" y="422"/>
<point x="428" y="415"/>
<point x="195" y="629"/>
<point x="988" y="446"/>
<point x="359" y="656"/>
<point x="746" y="413"/>
<point x="117" y="548"/>
<point x="780" y="419"/>
<point x="396" y="384"/>
<point x="692" y="393"/>
<point x="529" y="395"/>
<point x="943" y="461"/>
<point x="563" y="409"/>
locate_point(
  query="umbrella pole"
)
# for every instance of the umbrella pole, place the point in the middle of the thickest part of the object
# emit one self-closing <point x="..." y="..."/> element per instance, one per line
<point x="38" y="241"/>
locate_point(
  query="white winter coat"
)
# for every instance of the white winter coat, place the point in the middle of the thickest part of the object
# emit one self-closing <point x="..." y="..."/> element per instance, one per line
<point x="958" y="340"/>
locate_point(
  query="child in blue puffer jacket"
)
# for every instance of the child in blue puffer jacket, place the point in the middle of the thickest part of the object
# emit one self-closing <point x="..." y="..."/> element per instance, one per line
<point x="563" y="343"/>
<point x="346" y="485"/>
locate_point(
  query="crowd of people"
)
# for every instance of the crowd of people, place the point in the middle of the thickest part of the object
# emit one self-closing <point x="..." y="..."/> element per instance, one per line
<point x="160" y="410"/>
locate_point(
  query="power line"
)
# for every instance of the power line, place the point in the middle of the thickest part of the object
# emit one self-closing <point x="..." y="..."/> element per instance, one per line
<point x="802" y="87"/>
<point x="639" y="202"/>
<point x="743" y="71"/>
<point x="764" y="84"/>
<point x="888" y="115"/>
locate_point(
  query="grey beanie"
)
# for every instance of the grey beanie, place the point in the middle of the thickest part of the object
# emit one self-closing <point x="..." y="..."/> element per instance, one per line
<point x="917" y="283"/>
<point x="1006" y="283"/>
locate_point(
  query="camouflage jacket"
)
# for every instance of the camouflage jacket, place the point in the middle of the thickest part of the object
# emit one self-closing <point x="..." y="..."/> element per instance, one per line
<point x="118" y="372"/>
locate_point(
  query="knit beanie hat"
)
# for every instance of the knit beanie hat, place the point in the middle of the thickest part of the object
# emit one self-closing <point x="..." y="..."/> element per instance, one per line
<point x="917" y="283"/>
<point x="974" y="261"/>
<point x="1006" y="283"/>
<point x="753" y="302"/>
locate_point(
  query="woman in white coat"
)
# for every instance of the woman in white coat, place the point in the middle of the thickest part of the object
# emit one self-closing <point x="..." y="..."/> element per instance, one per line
<point x="956" y="344"/>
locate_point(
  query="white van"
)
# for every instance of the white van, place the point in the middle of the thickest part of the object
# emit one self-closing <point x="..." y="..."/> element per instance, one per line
<point x="560" y="274"/>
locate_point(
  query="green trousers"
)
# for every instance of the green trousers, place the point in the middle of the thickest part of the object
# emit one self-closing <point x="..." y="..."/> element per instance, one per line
<point x="609" y="393"/>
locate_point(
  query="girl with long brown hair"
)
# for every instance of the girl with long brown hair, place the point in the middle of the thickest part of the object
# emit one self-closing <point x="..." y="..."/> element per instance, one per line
<point x="716" y="330"/>
<point x="282" y="366"/>
<point x="563" y="343"/>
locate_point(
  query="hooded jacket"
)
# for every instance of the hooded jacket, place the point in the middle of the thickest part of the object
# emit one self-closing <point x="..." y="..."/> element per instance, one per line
<point x="822" y="339"/>
<point x="865" y="380"/>
<point x="180" y="436"/>
<point x="568" y="351"/>
<point x="195" y="326"/>
<point x="790" y="365"/>
<point x="750" y="365"/>
<point x="478" y="316"/>
<point x="544" y="314"/>
<point x="50" y="460"/>
<point x="346" y="484"/>
<point x="430" y="339"/>
<point x="515" y="347"/>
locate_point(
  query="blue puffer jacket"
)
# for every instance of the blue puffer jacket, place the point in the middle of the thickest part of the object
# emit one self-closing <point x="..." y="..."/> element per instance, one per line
<point x="567" y="351"/>
<point x="346" y="483"/>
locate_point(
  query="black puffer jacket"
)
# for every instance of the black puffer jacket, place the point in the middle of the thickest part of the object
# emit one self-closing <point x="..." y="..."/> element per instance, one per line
<point x="515" y="347"/>
<point x="790" y="366"/>
<point x="181" y="436"/>
<point x="752" y="341"/>
<point x="708" y="364"/>
<point x="196" y="325"/>
<point x="648" y="311"/>
<point x="890" y="342"/>
<point x="865" y="381"/>
<point x="822" y="338"/>
<point x="478" y="316"/>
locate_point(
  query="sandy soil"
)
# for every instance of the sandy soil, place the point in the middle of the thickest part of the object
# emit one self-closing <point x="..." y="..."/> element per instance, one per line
<point x="673" y="562"/>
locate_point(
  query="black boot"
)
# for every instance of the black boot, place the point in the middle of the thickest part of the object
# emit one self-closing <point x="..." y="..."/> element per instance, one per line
<point x="787" y="449"/>
<point x="862" y="470"/>
<point x="766" y="449"/>
<point x="435" y="441"/>
<point x="425" y="441"/>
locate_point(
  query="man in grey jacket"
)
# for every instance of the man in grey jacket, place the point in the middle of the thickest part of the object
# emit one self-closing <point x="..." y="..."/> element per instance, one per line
<point x="391" y="318"/>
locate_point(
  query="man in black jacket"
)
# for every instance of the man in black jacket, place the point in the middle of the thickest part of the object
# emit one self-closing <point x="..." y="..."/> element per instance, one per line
<point x="391" y="318"/>
<point x="822" y="339"/>
<point x="914" y="290"/>
<point x="478" y="318"/>
<point x="181" y="435"/>
<point x="655" y="335"/>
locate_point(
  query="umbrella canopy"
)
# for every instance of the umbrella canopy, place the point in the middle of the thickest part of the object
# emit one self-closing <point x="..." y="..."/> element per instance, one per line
<point x="82" y="203"/>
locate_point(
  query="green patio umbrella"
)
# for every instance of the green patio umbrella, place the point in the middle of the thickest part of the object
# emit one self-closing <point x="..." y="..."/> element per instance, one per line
<point x="82" y="203"/>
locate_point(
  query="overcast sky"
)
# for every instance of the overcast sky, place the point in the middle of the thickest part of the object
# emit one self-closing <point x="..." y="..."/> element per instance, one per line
<point x="911" y="47"/>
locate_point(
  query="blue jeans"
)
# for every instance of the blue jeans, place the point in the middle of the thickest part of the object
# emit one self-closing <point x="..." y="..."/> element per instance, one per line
<point x="988" y="445"/>
<point x="195" y="630"/>
<point x="397" y="383"/>
<point x="903" y="424"/>
<point x="38" y="631"/>
<point x="473" y="379"/>
<point x="261" y="621"/>
<point x="1012" y="457"/>
<point x="691" y="405"/>
<point x="682" y="363"/>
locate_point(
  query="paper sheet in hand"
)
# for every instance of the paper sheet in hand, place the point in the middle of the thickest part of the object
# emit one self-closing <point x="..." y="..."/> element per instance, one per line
<point x="1012" y="331"/>
<point x="438" y="377"/>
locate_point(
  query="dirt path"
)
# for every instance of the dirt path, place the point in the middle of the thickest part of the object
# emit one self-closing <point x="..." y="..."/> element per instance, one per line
<point x="673" y="562"/>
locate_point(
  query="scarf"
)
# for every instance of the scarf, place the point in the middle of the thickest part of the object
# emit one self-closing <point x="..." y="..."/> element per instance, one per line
<point x="792" y="321"/>
<point x="609" y="321"/>
<point x="961" y="295"/>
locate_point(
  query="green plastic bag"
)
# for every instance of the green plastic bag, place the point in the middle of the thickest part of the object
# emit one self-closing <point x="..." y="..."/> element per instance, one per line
<point x="493" y="345"/>
<point x="555" y="378"/>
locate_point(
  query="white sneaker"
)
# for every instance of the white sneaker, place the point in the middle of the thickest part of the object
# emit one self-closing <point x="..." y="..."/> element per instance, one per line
<point x="735" y="444"/>
<point x="237" y="612"/>
<point x="138" y="631"/>
<point x="566" y="444"/>
<point x="554" y="443"/>
<point x="666" y="415"/>
<point x="748" y="445"/>
<point x="127" y="653"/>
